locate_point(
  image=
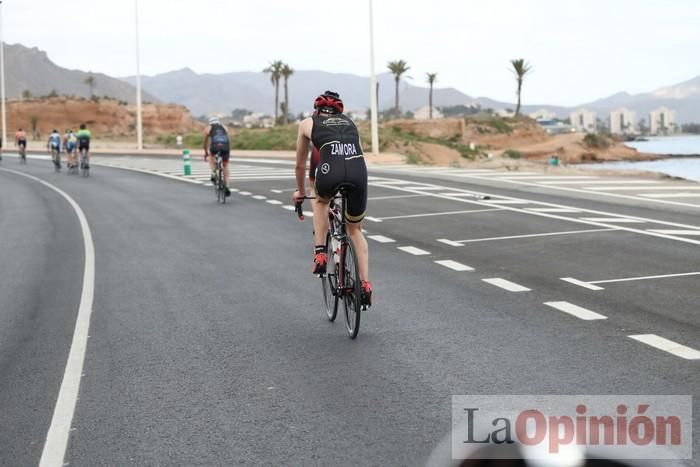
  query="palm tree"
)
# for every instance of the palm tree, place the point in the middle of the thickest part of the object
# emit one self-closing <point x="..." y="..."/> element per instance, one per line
<point x="520" y="69"/>
<point x="431" y="77"/>
<point x="90" y="81"/>
<point x="275" y="70"/>
<point x="398" y="68"/>
<point x="286" y="72"/>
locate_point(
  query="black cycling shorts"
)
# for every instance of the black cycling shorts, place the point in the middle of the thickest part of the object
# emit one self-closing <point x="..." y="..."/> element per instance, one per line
<point x="225" y="153"/>
<point x="332" y="171"/>
<point x="315" y="158"/>
<point x="83" y="145"/>
<point x="22" y="143"/>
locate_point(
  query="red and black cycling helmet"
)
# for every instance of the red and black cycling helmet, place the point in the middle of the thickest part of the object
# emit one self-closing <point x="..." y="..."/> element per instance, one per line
<point x="329" y="102"/>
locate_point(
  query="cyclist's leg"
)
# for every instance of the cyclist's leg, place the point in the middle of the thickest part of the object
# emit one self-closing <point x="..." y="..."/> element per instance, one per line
<point x="224" y="158"/>
<point x="355" y="212"/>
<point x="211" y="160"/>
<point x="325" y="186"/>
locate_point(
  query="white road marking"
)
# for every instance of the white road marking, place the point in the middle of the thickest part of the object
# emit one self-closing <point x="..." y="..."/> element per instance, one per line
<point x="372" y="219"/>
<point x="425" y="187"/>
<point x="408" y="216"/>
<point x="413" y="250"/>
<point x="575" y="310"/>
<point x="669" y="346"/>
<point x="288" y="207"/>
<point x="246" y="193"/>
<point x="273" y="201"/>
<point x="276" y="191"/>
<point x="377" y="198"/>
<point x="459" y="194"/>
<point x="583" y="284"/>
<point x="643" y="278"/>
<point x="506" y="284"/>
<point x="449" y="242"/>
<point x="552" y="210"/>
<point x="602" y="182"/>
<point x="260" y="197"/>
<point x="647" y="188"/>
<point x="676" y="232"/>
<point x="57" y="437"/>
<point x="381" y="239"/>
<point x="509" y="201"/>
<point x="548" y="234"/>
<point x="548" y="177"/>
<point x="234" y="190"/>
<point x="575" y="220"/>
<point x="671" y="195"/>
<point x="614" y="220"/>
<point x="454" y="265"/>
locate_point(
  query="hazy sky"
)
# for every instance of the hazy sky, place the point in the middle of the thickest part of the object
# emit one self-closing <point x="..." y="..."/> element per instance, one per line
<point x="581" y="50"/>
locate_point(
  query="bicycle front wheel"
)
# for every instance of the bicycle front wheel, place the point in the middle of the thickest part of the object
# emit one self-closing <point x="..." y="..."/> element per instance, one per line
<point x="329" y="282"/>
<point x="350" y="280"/>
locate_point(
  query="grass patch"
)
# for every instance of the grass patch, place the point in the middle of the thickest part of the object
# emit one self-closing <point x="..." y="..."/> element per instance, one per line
<point x="512" y="154"/>
<point x="595" y="141"/>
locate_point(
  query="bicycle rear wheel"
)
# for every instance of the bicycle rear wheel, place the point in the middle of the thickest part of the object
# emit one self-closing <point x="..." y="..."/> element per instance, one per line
<point x="329" y="283"/>
<point x="350" y="279"/>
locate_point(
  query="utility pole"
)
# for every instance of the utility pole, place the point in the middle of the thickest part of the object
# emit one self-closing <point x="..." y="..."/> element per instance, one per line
<point x="373" y="86"/>
<point x="139" y="118"/>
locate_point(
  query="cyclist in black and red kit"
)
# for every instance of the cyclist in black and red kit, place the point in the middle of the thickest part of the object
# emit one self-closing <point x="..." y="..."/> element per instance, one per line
<point x="341" y="160"/>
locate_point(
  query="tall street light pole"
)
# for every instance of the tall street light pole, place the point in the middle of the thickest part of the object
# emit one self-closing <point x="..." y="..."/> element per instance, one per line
<point x="2" y="82"/>
<point x="139" y="118"/>
<point x="373" y="85"/>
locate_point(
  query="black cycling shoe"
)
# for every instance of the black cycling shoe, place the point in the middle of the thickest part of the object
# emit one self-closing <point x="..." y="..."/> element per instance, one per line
<point x="227" y="192"/>
<point x="213" y="177"/>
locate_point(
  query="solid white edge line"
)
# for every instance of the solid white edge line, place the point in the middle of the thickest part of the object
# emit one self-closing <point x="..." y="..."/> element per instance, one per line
<point x="506" y="284"/>
<point x="454" y="265"/>
<point x="586" y="285"/>
<point x="59" y="431"/>
<point x="575" y="310"/>
<point x="666" y="345"/>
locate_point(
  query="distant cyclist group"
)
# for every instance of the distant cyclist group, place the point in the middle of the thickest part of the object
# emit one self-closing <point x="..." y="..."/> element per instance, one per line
<point x="76" y="146"/>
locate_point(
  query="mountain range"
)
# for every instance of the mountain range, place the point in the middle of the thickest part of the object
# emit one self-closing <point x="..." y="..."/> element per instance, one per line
<point x="30" y="69"/>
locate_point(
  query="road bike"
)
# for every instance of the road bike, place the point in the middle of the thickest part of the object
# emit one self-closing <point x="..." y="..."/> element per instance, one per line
<point x="84" y="163"/>
<point x="220" y="180"/>
<point x="341" y="282"/>
<point x="56" y="158"/>
<point x="22" y="154"/>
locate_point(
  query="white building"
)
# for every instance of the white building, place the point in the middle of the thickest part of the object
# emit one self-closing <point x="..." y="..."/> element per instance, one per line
<point x="543" y="114"/>
<point x="662" y="121"/>
<point x="358" y="115"/>
<point x="424" y="113"/>
<point x="505" y="113"/>
<point x="623" y="122"/>
<point x="583" y="120"/>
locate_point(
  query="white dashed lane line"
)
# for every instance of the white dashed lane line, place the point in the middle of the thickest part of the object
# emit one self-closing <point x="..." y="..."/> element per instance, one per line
<point x="454" y="265"/>
<point x="614" y="220"/>
<point x="413" y="250"/>
<point x="381" y="239"/>
<point x="288" y="207"/>
<point x="273" y="201"/>
<point x="260" y="197"/>
<point x="669" y="346"/>
<point x="246" y="193"/>
<point x="506" y="284"/>
<point x="575" y="310"/>
<point x="586" y="285"/>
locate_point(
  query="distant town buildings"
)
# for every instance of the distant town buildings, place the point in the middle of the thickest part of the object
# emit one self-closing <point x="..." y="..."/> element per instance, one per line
<point x="662" y="121"/>
<point x="358" y="115"/>
<point x="505" y="113"/>
<point x="583" y="120"/>
<point x="543" y="114"/>
<point x="424" y="113"/>
<point x="623" y="122"/>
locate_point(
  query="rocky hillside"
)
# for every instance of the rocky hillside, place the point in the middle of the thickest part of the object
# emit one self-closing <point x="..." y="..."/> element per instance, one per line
<point x="31" y="70"/>
<point x="104" y="117"/>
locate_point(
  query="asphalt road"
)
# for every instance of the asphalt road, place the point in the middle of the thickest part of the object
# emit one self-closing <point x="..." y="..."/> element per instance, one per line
<point x="208" y="344"/>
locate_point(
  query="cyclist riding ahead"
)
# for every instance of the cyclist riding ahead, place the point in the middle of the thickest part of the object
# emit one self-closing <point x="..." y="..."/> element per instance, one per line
<point x="54" y="147"/>
<point x="70" y="143"/>
<point x="84" y="136"/>
<point x="21" y="143"/>
<point x="341" y="162"/>
<point x="216" y="141"/>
